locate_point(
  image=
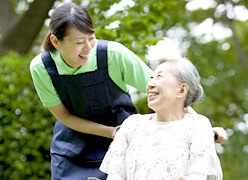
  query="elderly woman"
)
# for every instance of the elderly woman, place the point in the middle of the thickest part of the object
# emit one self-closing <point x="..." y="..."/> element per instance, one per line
<point x="168" y="144"/>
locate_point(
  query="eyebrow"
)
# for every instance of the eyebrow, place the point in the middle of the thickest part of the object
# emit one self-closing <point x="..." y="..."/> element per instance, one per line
<point x="82" y="37"/>
<point x="76" y="38"/>
<point x="161" y="71"/>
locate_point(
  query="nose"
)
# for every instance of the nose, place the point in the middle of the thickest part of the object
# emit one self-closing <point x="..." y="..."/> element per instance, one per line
<point x="87" y="46"/>
<point x="151" y="84"/>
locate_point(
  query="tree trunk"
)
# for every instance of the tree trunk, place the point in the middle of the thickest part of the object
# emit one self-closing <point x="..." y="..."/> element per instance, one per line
<point x="241" y="56"/>
<point x="8" y="16"/>
<point x="22" y="34"/>
<point x="238" y="47"/>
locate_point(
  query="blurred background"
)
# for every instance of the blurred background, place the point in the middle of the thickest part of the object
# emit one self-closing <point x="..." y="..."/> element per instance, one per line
<point x="213" y="34"/>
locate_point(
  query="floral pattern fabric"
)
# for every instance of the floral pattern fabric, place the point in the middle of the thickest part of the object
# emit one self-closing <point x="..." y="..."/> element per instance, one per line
<point x="145" y="149"/>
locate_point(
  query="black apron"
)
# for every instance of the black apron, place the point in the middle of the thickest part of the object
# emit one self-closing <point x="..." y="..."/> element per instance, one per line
<point x="93" y="96"/>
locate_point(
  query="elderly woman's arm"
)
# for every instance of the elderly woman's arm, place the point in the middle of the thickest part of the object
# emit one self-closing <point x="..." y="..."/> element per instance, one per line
<point x="203" y="159"/>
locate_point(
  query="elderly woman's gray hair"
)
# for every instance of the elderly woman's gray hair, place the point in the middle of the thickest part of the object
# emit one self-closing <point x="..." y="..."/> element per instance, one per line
<point x="186" y="72"/>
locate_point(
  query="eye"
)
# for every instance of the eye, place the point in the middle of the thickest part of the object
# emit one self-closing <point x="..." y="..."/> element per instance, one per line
<point x="80" y="42"/>
<point x="92" y="37"/>
<point x="159" y="76"/>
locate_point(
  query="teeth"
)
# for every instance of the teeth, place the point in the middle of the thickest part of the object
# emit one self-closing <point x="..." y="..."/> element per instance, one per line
<point x="153" y="94"/>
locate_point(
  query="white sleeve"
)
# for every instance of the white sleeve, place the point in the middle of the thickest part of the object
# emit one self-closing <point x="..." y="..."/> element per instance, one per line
<point x="114" y="177"/>
<point x="114" y="161"/>
<point x="194" y="177"/>
<point x="203" y="161"/>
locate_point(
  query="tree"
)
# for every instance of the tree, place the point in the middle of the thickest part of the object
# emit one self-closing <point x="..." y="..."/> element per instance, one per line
<point x="19" y="31"/>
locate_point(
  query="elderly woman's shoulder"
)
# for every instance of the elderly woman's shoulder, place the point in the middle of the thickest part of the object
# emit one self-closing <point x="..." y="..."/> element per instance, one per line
<point x="200" y="119"/>
<point x="136" y="118"/>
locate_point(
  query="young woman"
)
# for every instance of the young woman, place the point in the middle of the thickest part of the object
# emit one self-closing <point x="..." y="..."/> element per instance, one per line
<point x="83" y="82"/>
<point x="168" y="144"/>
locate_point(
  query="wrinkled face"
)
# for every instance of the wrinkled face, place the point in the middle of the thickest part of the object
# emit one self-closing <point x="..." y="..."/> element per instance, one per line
<point x="75" y="47"/>
<point x="162" y="88"/>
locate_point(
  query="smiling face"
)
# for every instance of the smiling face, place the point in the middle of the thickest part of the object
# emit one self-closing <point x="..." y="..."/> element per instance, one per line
<point x="75" y="47"/>
<point x="162" y="89"/>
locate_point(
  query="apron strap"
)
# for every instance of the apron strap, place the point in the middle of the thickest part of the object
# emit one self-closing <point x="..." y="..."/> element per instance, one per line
<point x="49" y="64"/>
<point x="102" y="54"/>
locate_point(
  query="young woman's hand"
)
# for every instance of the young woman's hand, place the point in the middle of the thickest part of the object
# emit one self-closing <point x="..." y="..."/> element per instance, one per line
<point x="189" y="110"/>
<point x="180" y="178"/>
<point x="221" y="134"/>
<point x="115" y="130"/>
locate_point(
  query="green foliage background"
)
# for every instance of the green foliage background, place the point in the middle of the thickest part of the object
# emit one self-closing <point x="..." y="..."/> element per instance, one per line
<point x="26" y="126"/>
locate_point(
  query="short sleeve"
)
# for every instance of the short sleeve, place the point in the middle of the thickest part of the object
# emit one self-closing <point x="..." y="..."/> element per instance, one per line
<point x="114" y="161"/>
<point x="43" y="83"/>
<point x="203" y="160"/>
<point x="127" y="68"/>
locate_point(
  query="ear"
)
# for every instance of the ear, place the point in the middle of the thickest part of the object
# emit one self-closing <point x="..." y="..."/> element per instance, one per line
<point x="55" y="42"/>
<point x="182" y="90"/>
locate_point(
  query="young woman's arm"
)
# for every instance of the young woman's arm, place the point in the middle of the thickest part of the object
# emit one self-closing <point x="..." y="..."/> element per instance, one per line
<point x="80" y="124"/>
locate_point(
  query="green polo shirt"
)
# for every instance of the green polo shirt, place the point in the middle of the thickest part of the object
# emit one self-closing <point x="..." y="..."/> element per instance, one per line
<point x="125" y="68"/>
